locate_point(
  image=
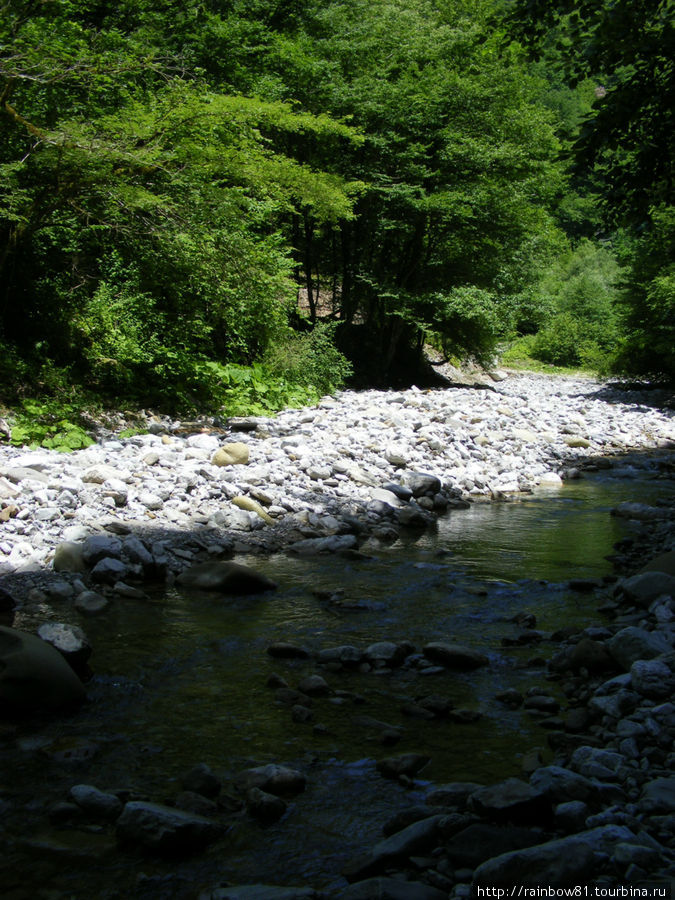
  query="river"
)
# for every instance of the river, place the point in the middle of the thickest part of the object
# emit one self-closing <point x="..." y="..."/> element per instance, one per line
<point x="181" y="679"/>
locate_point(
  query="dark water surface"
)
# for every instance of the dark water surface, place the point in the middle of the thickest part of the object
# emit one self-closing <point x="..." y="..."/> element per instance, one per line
<point x="181" y="679"/>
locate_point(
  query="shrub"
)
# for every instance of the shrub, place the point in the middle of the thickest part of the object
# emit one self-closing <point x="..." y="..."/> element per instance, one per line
<point x="311" y="360"/>
<point x="578" y="300"/>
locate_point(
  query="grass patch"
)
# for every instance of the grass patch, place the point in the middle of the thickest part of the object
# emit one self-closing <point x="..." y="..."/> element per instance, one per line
<point x="518" y="356"/>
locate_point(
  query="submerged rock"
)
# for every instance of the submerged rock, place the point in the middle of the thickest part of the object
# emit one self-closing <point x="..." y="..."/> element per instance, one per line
<point x="90" y="603"/>
<point x="96" y="803"/>
<point x="272" y="779"/>
<point x="408" y="764"/>
<point x="455" y="656"/>
<point x="201" y="780"/>
<point x="287" y="650"/>
<point x="225" y="578"/>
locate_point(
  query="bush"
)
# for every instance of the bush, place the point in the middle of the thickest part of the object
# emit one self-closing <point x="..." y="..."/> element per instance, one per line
<point x="648" y="302"/>
<point x="570" y="341"/>
<point x="465" y="316"/>
<point x="311" y="360"/>
<point x="579" y="301"/>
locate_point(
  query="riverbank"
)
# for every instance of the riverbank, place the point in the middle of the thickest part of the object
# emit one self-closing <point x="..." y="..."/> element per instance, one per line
<point x="453" y="448"/>
<point x="349" y="472"/>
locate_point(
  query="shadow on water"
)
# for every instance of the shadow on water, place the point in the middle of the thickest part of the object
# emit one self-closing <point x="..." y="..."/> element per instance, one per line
<point x="180" y="678"/>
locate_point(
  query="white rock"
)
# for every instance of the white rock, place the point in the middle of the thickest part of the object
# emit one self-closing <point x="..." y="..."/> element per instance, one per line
<point x="150" y="500"/>
<point x="99" y="474"/>
<point x="550" y="479"/>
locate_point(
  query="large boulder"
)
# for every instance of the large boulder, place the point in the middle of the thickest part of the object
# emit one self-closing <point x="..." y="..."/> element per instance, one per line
<point x="265" y="807"/>
<point x="652" y="678"/>
<point x="34" y="676"/>
<point x="586" y="654"/>
<point x="387" y="653"/>
<point x="560" y="784"/>
<point x="511" y="800"/>
<point x="414" y="840"/>
<point x="333" y="543"/>
<point x="165" y="830"/>
<point x="456" y="793"/>
<point x="7" y="605"/>
<point x="421" y="484"/>
<point x="633" y="643"/>
<point x="595" y="762"/>
<point x="225" y="578"/>
<point x="109" y="571"/>
<point x="201" y="780"/>
<point x="101" y="546"/>
<point x="563" y="862"/>
<point x="664" y="563"/>
<point x="481" y="841"/>
<point x="658" y="796"/>
<point x="96" y="803"/>
<point x="647" y="586"/>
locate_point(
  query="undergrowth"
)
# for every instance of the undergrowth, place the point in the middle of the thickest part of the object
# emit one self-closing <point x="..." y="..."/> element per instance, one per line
<point x="53" y="410"/>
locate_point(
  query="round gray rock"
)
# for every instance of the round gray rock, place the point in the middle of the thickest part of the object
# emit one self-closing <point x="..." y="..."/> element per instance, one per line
<point x="71" y="642"/>
<point x="33" y="675"/>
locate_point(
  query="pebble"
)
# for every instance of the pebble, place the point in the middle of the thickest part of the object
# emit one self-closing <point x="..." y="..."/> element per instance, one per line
<point x="355" y="463"/>
<point x="362" y="467"/>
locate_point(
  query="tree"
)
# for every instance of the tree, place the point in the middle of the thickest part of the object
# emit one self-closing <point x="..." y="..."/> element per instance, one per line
<point x="457" y="163"/>
<point x="140" y="209"/>
<point x="626" y="144"/>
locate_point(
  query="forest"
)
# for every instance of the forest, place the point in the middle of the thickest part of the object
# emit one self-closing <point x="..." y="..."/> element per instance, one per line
<point x="236" y="205"/>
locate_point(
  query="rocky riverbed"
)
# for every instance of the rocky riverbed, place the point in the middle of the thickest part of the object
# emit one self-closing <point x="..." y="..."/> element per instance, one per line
<point x="354" y="475"/>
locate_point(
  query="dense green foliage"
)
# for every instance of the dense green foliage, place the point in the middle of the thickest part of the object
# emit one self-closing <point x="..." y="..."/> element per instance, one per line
<point x="140" y="210"/>
<point x="576" y="302"/>
<point x="173" y="174"/>
<point x="625" y="148"/>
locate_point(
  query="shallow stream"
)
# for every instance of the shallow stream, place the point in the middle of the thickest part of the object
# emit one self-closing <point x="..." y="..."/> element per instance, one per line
<point x="181" y="679"/>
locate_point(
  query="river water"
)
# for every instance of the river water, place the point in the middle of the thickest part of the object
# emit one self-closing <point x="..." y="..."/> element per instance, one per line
<point x="181" y="679"/>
